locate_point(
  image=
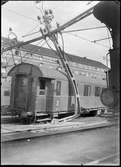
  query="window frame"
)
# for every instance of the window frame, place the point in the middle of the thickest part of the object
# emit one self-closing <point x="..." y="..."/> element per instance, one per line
<point x="98" y="91"/>
<point x="58" y="88"/>
<point x="87" y="90"/>
<point x="6" y="92"/>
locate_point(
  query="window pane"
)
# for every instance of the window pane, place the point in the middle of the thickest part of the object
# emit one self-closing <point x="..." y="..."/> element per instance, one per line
<point x="42" y="83"/>
<point x="58" y="88"/>
<point x="6" y="93"/>
<point x="97" y="91"/>
<point x="87" y="90"/>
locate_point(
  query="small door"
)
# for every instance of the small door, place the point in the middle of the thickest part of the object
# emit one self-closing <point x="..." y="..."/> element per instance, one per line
<point x="49" y="96"/>
<point x="21" y="92"/>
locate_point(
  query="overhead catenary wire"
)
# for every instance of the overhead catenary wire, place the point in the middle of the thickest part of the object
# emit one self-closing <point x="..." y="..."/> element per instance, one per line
<point x="42" y="6"/>
<point x="40" y="9"/>
<point x="62" y="27"/>
<point x="46" y="40"/>
<point x="30" y="32"/>
<point x="101" y="39"/>
<point x="35" y="48"/>
<point x="83" y="38"/>
<point x="62" y="41"/>
<point x="27" y="17"/>
<point x="84" y="29"/>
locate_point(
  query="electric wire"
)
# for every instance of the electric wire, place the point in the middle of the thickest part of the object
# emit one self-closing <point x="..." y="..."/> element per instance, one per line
<point x="55" y="52"/>
<point x="62" y="41"/>
<point x="49" y="45"/>
<point x="67" y="24"/>
<point x="21" y="14"/>
<point x="80" y="37"/>
<point x="63" y="46"/>
<point x="33" y="50"/>
<point x="42" y="6"/>
<point x="27" y="34"/>
<point x="41" y="10"/>
<point x="84" y="29"/>
<point x="101" y="39"/>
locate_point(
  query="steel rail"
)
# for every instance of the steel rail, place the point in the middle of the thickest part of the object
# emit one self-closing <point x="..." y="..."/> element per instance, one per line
<point x="62" y="27"/>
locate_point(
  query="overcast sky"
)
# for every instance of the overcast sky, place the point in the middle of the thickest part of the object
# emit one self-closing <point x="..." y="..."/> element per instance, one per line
<point x="21" y="16"/>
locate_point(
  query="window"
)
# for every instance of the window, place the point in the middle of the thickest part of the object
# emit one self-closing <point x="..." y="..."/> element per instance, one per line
<point x="42" y="83"/>
<point x="6" y="93"/>
<point x="97" y="91"/>
<point x="87" y="90"/>
<point x="58" y="88"/>
<point x="103" y="89"/>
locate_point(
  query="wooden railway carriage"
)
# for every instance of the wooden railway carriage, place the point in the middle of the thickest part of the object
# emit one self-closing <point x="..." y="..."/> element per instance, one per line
<point x="38" y="88"/>
<point x="37" y="91"/>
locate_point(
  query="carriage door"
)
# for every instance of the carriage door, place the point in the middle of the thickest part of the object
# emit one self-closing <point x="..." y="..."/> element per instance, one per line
<point x="21" y="92"/>
<point x="49" y="95"/>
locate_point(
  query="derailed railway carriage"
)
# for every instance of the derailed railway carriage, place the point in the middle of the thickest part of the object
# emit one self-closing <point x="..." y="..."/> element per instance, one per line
<point x="40" y="91"/>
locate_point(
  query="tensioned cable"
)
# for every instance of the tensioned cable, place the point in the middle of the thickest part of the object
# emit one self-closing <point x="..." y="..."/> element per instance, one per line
<point x="84" y="29"/>
<point x="63" y="45"/>
<point x="101" y="39"/>
<point x="21" y="15"/>
<point x="87" y="40"/>
<point x="50" y="46"/>
<point x="42" y="6"/>
<point x="67" y="24"/>
<point x="31" y="31"/>
<point x="41" y="10"/>
<point x="33" y="50"/>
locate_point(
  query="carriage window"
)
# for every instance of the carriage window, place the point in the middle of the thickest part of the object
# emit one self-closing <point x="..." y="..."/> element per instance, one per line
<point x="58" y="88"/>
<point x="87" y="90"/>
<point x="103" y="89"/>
<point x="97" y="91"/>
<point x="6" y="93"/>
<point x="42" y="84"/>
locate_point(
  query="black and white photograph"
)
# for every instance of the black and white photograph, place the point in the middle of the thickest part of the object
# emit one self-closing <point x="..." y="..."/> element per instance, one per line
<point x="60" y="83"/>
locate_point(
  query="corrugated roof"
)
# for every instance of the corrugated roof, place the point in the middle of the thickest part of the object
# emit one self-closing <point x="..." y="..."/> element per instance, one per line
<point x="51" y="53"/>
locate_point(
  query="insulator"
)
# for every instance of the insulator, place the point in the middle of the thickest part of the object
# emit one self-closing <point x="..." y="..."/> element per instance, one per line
<point x="38" y="18"/>
<point x="44" y="31"/>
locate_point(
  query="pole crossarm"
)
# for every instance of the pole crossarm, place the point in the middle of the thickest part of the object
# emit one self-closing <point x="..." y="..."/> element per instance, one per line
<point x="69" y="23"/>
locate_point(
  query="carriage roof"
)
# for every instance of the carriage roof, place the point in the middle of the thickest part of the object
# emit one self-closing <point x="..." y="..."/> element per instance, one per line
<point x="27" y="68"/>
<point x="52" y="53"/>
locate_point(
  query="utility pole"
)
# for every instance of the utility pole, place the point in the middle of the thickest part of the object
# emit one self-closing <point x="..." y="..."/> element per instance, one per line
<point x="46" y="28"/>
